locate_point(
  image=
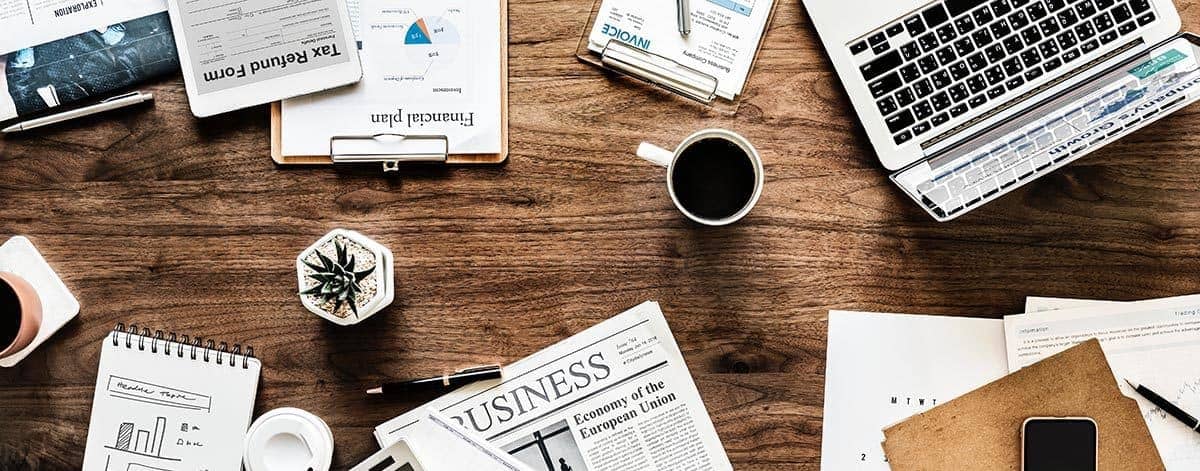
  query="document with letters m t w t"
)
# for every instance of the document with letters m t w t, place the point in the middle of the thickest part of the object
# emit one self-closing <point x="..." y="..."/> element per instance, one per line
<point x="614" y="397"/>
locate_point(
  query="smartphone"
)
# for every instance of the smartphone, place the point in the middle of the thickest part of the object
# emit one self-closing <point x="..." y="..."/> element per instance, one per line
<point x="1059" y="444"/>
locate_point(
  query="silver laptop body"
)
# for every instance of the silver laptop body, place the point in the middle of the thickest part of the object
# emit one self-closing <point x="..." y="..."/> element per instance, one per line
<point x="967" y="100"/>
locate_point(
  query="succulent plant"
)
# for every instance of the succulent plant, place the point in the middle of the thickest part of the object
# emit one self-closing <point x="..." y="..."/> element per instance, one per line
<point x="337" y="281"/>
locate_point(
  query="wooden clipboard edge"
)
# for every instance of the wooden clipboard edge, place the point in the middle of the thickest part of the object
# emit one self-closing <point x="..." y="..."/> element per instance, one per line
<point x="454" y="159"/>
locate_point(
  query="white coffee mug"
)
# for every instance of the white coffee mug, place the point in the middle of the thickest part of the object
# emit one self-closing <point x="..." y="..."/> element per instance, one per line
<point x="668" y="159"/>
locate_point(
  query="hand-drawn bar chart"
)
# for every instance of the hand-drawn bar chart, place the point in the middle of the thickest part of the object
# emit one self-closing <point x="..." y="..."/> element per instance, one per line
<point x="142" y="441"/>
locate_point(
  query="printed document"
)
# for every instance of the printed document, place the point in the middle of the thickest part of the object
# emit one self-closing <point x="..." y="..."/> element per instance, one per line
<point x="883" y="368"/>
<point x="723" y="42"/>
<point x="429" y="68"/>
<point x="27" y="23"/>
<point x="614" y="397"/>
<point x="441" y="444"/>
<point x="1155" y="343"/>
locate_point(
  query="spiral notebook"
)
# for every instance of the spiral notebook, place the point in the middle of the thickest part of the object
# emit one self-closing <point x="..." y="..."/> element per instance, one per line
<point x="166" y="402"/>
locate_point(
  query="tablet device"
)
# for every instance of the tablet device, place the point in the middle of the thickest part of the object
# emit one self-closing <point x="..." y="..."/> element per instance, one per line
<point x="240" y="54"/>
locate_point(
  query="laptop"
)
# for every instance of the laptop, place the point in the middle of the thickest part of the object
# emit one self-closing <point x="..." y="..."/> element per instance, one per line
<point x="967" y="100"/>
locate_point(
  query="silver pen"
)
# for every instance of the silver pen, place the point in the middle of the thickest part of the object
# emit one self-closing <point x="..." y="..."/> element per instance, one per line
<point x="119" y="101"/>
<point x="685" y="17"/>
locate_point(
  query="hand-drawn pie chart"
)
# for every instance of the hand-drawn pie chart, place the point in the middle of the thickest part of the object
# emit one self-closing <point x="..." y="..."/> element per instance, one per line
<point x="432" y="38"/>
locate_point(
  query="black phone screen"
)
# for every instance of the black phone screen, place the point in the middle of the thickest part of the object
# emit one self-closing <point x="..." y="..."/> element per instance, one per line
<point x="1060" y="445"/>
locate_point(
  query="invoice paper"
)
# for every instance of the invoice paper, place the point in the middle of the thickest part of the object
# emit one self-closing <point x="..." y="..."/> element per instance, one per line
<point x="28" y="23"/>
<point x="723" y="41"/>
<point x="1155" y="343"/>
<point x="883" y="368"/>
<point x="429" y="68"/>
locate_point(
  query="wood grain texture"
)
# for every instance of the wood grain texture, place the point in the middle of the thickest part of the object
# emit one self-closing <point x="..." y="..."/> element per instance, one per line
<point x="154" y="217"/>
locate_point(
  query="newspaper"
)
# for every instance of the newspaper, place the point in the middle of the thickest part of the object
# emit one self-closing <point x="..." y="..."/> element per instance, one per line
<point x="616" y="396"/>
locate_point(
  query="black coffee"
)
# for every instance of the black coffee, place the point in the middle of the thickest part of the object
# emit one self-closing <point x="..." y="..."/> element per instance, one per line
<point x="10" y="315"/>
<point x="713" y="178"/>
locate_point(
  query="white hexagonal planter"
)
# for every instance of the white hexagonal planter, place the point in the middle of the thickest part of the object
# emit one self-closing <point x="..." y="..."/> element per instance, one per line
<point x="375" y="289"/>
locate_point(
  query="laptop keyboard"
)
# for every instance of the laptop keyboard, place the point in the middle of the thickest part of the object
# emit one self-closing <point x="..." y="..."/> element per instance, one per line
<point x="1060" y="136"/>
<point x="958" y="55"/>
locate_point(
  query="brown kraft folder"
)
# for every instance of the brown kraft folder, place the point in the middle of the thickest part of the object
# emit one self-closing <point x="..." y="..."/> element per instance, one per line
<point x="982" y="429"/>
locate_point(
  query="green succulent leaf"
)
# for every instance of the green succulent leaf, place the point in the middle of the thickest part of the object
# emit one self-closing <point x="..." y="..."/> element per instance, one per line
<point x="336" y="280"/>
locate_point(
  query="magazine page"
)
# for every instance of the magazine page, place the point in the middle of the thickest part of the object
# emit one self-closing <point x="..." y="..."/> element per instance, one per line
<point x="30" y="22"/>
<point x="614" y="397"/>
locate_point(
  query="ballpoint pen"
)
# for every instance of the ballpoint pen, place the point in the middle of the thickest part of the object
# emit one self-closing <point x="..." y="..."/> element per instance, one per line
<point x="444" y="382"/>
<point x="1166" y="406"/>
<point x="119" y="101"/>
<point x="684" y="15"/>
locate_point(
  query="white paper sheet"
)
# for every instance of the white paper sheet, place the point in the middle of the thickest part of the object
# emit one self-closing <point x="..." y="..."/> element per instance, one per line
<point x="723" y="41"/>
<point x="883" y="368"/>
<point x="429" y="68"/>
<point x="441" y="444"/>
<point x="28" y="23"/>
<point x="1154" y="342"/>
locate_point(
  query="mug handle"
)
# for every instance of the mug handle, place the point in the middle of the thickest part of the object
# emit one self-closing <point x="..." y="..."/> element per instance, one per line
<point x="655" y="154"/>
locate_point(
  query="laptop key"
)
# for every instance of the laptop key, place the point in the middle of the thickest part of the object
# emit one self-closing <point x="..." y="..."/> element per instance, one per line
<point x="1071" y="55"/>
<point x="995" y="53"/>
<point x="899" y="121"/>
<point x="1031" y="35"/>
<point x="1140" y="5"/>
<point x="995" y="92"/>
<point x="976" y="83"/>
<point x="920" y="128"/>
<point x="1085" y="30"/>
<point x="1067" y="17"/>
<point x="939" y="119"/>
<point x="977" y="62"/>
<point x="1088" y="46"/>
<point x="1018" y="19"/>
<point x="928" y="64"/>
<point x="1037" y="11"/>
<point x="922" y="110"/>
<point x="946" y="55"/>
<point x="1121" y="13"/>
<point x="1067" y="40"/>
<point x="959" y="110"/>
<point x="977" y="101"/>
<point x="1014" y="82"/>
<point x="895" y="29"/>
<point x="981" y="38"/>
<point x="902" y="137"/>
<point x="910" y="51"/>
<point x="1000" y="28"/>
<point x="994" y="75"/>
<point x="923" y="88"/>
<point x="1085" y="9"/>
<point x="881" y="65"/>
<point x="959" y="93"/>
<point x="1126" y="28"/>
<point x="1103" y="22"/>
<point x="877" y="39"/>
<point x="946" y="33"/>
<point x="1048" y="48"/>
<point x="1033" y="73"/>
<point x="885" y="85"/>
<point x="940" y="102"/>
<point x="858" y="47"/>
<point x="1055" y="5"/>
<point x="959" y="70"/>
<point x="928" y="42"/>
<point x="964" y="25"/>
<point x="905" y="97"/>
<point x="910" y="72"/>
<point x="935" y="15"/>
<point x="1048" y="26"/>
<point x="1013" y="44"/>
<point x="914" y="25"/>
<point x="887" y="106"/>
<point x="1012" y="66"/>
<point x="964" y="46"/>
<point x="1000" y="7"/>
<point x="1052" y="64"/>
<point x="1108" y="37"/>
<point x="941" y="79"/>
<point x="1145" y="19"/>
<point x="881" y="48"/>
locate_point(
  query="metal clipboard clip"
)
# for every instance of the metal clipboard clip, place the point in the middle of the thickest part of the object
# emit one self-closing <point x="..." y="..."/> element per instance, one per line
<point x="660" y="71"/>
<point x="389" y="149"/>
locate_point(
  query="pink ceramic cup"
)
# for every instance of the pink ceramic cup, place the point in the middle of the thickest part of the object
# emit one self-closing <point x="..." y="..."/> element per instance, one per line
<point x="30" y="311"/>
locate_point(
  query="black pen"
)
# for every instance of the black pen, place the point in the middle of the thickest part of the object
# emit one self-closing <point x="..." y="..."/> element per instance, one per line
<point x="1166" y="406"/>
<point x="444" y="382"/>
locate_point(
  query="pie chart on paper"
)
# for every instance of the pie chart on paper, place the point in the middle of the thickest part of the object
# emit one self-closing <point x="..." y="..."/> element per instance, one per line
<point x="431" y="40"/>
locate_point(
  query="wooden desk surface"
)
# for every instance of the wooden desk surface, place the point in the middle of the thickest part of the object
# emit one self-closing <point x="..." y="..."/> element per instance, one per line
<point x="157" y="218"/>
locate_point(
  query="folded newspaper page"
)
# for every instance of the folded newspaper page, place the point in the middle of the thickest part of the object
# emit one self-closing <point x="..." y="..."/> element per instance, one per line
<point x="614" y="397"/>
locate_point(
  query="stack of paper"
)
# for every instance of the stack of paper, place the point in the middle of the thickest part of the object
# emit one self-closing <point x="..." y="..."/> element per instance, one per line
<point x="882" y="368"/>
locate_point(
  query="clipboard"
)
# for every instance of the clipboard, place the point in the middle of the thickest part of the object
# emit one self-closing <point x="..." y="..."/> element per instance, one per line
<point x="666" y="76"/>
<point x="435" y="148"/>
<point x="981" y="430"/>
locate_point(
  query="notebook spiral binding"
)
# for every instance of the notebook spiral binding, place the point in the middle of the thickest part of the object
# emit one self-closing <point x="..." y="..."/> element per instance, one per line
<point x="206" y="350"/>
